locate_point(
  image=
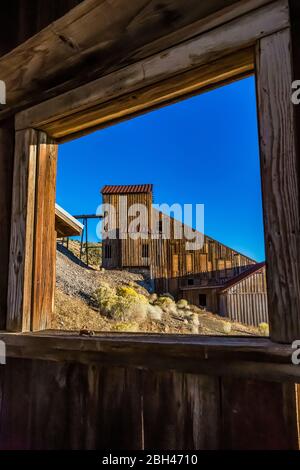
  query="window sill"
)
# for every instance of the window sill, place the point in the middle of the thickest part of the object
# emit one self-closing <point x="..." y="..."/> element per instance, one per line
<point x="257" y="358"/>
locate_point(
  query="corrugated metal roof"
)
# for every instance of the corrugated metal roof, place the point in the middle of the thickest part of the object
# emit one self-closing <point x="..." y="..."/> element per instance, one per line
<point x="126" y="189"/>
<point x="240" y="277"/>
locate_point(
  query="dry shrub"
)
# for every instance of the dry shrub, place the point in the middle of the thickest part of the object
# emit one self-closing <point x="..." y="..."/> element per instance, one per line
<point x="154" y="312"/>
<point x="164" y="301"/>
<point x="123" y="304"/>
<point x="106" y="297"/>
<point x="126" y="327"/>
<point x="227" y="327"/>
<point x="182" y="303"/>
<point x="264" y="329"/>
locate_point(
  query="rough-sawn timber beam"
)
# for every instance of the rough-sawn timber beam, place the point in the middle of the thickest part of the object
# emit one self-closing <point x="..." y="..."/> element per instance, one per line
<point x="100" y="36"/>
<point x="83" y="108"/>
<point x="253" y="358"/>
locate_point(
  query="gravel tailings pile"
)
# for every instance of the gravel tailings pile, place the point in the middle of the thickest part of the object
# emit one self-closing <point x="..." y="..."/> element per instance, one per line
<point x="75" y="279"/>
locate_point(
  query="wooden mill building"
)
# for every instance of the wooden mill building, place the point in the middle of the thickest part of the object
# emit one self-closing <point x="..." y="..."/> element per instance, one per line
<point x="205" y="276"/>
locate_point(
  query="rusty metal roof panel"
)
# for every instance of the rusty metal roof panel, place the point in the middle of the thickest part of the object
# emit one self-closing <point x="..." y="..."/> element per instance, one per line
<point x="240" y="277"/>
<point x="127" y="189"/>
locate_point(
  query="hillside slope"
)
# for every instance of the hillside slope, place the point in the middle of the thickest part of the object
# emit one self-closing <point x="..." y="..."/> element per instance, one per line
<point x="77" y="307"/>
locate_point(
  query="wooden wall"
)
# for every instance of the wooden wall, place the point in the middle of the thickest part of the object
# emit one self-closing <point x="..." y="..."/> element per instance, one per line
<point x="192" y="296"/>
<point x="127" y="252"/>
<point x="212" y="264"/>
<point x="247" y="301"/>
<point x="170" y="260"/>
<point x="7" y="137"/>
<point x="61" y="405"/>
<point x="20" y="20"/>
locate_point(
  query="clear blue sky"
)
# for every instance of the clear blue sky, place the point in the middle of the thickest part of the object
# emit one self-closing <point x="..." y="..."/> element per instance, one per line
<point x="202" y="150"/>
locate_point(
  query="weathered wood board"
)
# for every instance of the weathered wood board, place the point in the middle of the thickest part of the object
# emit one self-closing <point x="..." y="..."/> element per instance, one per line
<point x="59" y="405"/>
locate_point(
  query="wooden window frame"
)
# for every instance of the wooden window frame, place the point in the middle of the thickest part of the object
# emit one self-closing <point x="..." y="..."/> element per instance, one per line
<point x="219" y="52"/>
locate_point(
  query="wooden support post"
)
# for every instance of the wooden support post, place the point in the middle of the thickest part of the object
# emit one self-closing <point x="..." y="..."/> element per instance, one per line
<point x="45" y="234"/>
<point x="87" y="241"/>
<point x="32" y="246"/>
<point x="280" y="183"/>
<point x="22" y="232"/>
<point x="7" y="136"/>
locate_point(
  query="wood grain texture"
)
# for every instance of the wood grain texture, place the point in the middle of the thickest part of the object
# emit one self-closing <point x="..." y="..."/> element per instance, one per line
<point x="185" y="85"/>
<point x="22" y="20"/>
<point x="121" y="417"/>
<point x="250" y="417"/>
<point x="181" y="411"/>
<point x="99" y="36"/>
<point x="66" y="405"/>
<point x="219" y="42"/>
<point x="22" y="232"/>
<point x="44" y="234"/>
<point x="7" y="135"/>
<point x="280" y="184"/>
<point x="234" y="357"/>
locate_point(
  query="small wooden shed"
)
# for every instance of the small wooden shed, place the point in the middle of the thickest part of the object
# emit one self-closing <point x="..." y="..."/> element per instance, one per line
<point x="244" y="298"/>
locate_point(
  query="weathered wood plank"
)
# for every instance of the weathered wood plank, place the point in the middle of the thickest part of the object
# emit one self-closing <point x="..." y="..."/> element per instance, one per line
<point x="188" y="84"/>
<point x="258" y="415"/>
<point x="233" y="357"/>
<point x="7" y="135"/>
<point x="224" y="15"/>
<point x="106" y="35"/>
<point x="22" y="232"/>
<point x="120" y="418"/>
<point x="212" y="45"/>
<point x="15" y="377"/>
<point x="48" y="405"/>
<point x="83" y="406"/>
<point x="280" y="184"/>
<point x="74" y="406"/>
<point x="181" y="411"/>
<point x="44" y="234"/>
<point x="21" y="20"/>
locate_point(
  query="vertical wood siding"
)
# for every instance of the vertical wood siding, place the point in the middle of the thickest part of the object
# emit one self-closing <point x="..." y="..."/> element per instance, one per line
<point x="65" y="405"/>
<point x="246" y="302"/>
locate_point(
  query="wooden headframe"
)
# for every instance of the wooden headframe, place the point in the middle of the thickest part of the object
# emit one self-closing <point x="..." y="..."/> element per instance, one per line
<point x="251" y="37"/>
